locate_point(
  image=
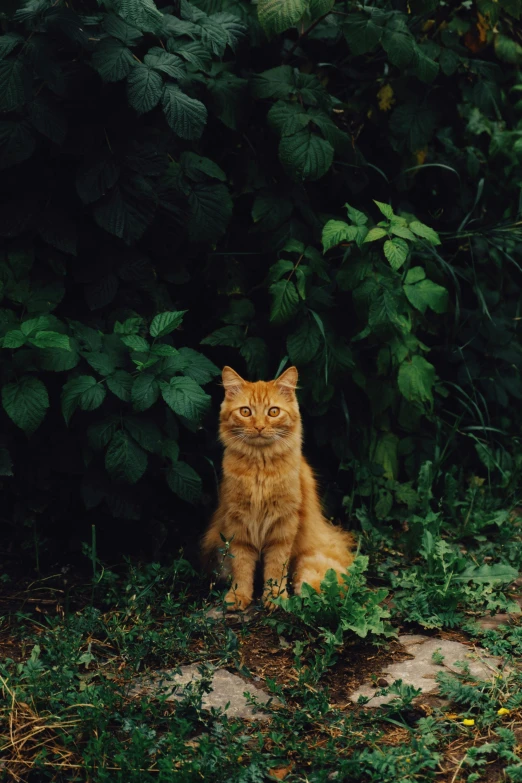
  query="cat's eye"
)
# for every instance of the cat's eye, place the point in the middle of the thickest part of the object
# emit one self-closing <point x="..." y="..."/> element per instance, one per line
<point x="245" y="411"/>
<point x="273" y="412"/>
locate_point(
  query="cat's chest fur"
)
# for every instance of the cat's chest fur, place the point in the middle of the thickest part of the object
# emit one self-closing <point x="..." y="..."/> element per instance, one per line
<point x="265" y="491"/>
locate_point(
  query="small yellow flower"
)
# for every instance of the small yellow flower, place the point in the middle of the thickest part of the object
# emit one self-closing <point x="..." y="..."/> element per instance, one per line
<point x="385" y="97"/>
<point x="468" y="722"/>
<point x="503" y="711"/>
<point x="452" y="716"/>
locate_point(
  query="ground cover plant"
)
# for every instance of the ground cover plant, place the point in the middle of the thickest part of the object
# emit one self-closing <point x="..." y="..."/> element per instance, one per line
<point x="184" y="185"/>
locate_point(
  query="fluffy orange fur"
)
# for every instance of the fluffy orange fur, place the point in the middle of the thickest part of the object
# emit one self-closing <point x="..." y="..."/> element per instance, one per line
<point x="268" y="502"/>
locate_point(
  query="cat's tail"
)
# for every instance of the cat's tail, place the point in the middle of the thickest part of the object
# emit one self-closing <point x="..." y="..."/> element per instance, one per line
<point x="332" y="548"/>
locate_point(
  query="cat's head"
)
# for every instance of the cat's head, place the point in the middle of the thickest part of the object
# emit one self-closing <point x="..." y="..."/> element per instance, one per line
<point x="262" y="415"/>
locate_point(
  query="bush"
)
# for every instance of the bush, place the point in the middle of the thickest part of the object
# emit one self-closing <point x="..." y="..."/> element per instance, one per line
<point x="168" y="175"/>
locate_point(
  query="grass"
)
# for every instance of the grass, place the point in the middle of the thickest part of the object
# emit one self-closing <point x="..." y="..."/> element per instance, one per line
<point x="71" y="651"/>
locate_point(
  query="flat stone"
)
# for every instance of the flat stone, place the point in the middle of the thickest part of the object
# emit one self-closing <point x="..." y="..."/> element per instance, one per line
<point x="227" y="690"/>
<point x="420" y="671"/>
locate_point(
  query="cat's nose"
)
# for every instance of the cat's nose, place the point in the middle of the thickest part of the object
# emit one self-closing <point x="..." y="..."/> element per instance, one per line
<point x="259" y="429"/>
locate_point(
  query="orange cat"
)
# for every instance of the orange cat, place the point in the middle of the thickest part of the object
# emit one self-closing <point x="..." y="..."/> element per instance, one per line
<point x="268" y="503"/>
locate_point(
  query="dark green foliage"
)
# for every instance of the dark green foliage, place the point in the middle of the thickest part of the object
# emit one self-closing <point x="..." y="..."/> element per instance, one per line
<point x="172" y="188"/>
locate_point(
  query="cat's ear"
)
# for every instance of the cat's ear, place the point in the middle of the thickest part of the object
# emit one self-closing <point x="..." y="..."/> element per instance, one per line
<point x="232" y="382"/>
<point x="287" y="382"/>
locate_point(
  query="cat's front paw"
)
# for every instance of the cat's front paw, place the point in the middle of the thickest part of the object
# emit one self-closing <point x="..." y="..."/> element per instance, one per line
<point x="237" y="601"/>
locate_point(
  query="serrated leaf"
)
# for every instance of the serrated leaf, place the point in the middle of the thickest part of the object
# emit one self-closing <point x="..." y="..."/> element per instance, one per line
<point x="197" y="366"/>
<point x="357" y="217"/>
<point x="118" y="28"/>
<point x="135" y="342"/>
<point x="426" y="294"/>
<point x="199" y="168"/>
<point x="487" y="574"/>
<point x="211" y="209"/>
<point x="26" y="402"/>
<point x="362" y="33"/>
<point x="275" y="83"/>
<point x="184" y="482"/>
<point x="144" y="88"/>
<point x="165" y="323"/>
<point x="120" y="383"/>
<point x="165" y="62"/>
<point x="34" y="325"/>
<point x="374" y="234"/>
<point x="386" y="209"/>
<point x="84" y="392"/>
<point x="12" y="94"/>
<point x="8" y="43"/>
<point x="414" y="274"/>
<point x="232" y="336"/>
<point x="185" y="397"/>
<point x="145" y="392"/>
<point x="304" y="343"/>
<point x="402" y="231"/>
<point x="129" y="326"/>
<point x="145" y="432"/>
<point x="318" y="8"/>
<point x="112" y="59"/>
<point x="288" y="118"/>
<point x="95" y="178"/>
<point x="186" y="116"/>
<point x="280" y="268"/>
<point x="141" y="13"/>
<point x="337" y="231"/>
<point x="100" y="433"/>
<point x="396" y="251"/>
<point x="47" y="339"/>
<point x="398" y="43"/>
<point x="13" y="339"/>
<point x="285" y="301"/>
<point x="17" y="143"/>
<point x="124" y="459"/>
<point x="276" y="16"/>
<point x="102" y="363"/>
<point x="305" y="155"/>
<point x="416" y="379"/>
<point x="425" y="232"/>
<point x="164" y="350"/>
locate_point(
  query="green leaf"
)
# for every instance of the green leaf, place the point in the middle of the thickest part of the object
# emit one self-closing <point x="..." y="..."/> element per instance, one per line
<point x="112" y="59"/>
<point x="184" y="482"/>
<point x="287" y="118"/>
<point x="198" y="367"/>
<point x="186" y="116"/>
<point x="362" y="33"/>
<point x="199" y="168"/>
<point x="84" y="392"/>
<point x="425" y="232"/>
<point x="145" y="392"/>
<point x="12" y="94"/>
<point x="161" y="60"/>
<point x="8" y="43"/>
<point x="402" y="231"/>
<point x="275" y="83"/>
<point x="211" y="209"/>
<point x="305" y="155"/>
<point x="304" y="343"/>
<point x="357" y="217"/>
<point x="100" y="433"/>
<point x="118" y="28"/>
<point x="426" y="293"/>
<point x="337" y="231"/>
<point x="232" y="336"/>
<point x="396" y="251"/>
<point x="47" y="339"/>
<point x="318" y="8"/>
<point x="414" y="123"/>
<point x="135" y="343"/>
<point x="276" y="16"/>
<point x="416" y="379"/>
<point x="13" y="339"/>
<point x="144" y="88"/>
<point x="124" y="459"/>
<point x="102" y="363"/>
<point x="185" y="397"/>
<point x="285" y="301"/>
<point x="398" y="43"/>
<point x="165" y="323"/>
<point x="143" y="14"/>
<point x="120" y="383"/>
<point x="129" y="326"/>
<point x="415" y="274"/>
<point x="487" y="574"/>
<point x="26" y="402"/>
<point x="280" y="268"/>
<point x="17" y="143"/>
<point x="6" y="465"/>
<point x="375" y="233"/>
<point x="145" y="432"/>
<point x="386" y="209"/>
